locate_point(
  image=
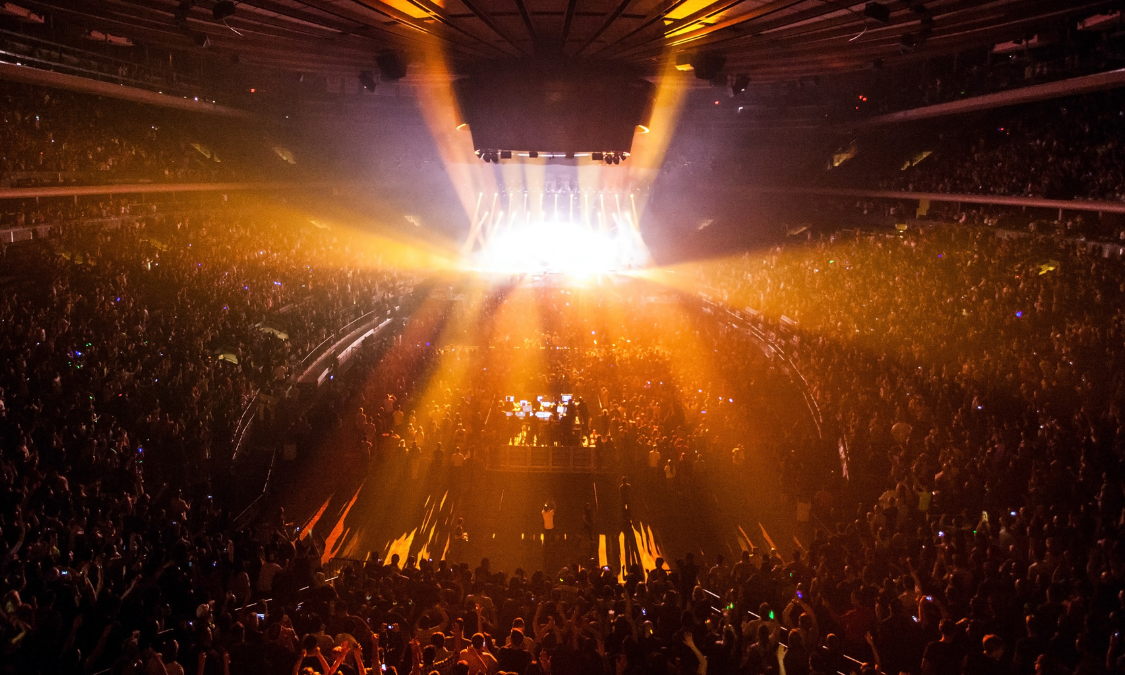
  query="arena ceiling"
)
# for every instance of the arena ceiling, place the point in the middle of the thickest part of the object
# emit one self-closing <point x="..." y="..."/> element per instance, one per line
<point x="769" y="40"/>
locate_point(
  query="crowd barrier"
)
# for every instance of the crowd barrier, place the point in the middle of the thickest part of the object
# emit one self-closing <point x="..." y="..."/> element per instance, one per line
<point x="543" y="459"/>
<point x="327" y="357"/>
<point x="774" y="346"/>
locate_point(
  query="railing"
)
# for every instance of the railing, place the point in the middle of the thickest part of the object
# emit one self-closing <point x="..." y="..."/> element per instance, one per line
<point x="25" y="232"/>
<point x="336" y="566"/>
<point x="543" y="459"/>
<point x="314" y="370"/>
<point x="772" y="347"/>
<point x="249" y="412"/>
<point x="1082" y="84"/>
<point x="251" y="511"/>
<point x="333" y="337"/>
<point x="995" y="200"/>
<point x="242" y="429"/>
<point x="155" y="188"/>
<point x="30" y="50"/>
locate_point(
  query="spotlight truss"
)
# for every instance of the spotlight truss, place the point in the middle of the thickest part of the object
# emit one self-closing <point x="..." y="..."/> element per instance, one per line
<point x="494" y="156"/>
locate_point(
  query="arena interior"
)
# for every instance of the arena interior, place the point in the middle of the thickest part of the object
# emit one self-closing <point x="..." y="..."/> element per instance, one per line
<point x="562" y="337"/>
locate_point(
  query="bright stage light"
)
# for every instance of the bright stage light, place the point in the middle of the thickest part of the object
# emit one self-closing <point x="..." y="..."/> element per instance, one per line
<point x="564" y="248"/>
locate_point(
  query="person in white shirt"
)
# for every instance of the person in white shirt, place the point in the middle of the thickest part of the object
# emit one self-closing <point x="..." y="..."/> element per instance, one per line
<point x="548" y="513"/>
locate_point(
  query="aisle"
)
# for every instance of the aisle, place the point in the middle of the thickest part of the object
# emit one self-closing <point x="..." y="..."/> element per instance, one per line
<point x="387" y="512"/>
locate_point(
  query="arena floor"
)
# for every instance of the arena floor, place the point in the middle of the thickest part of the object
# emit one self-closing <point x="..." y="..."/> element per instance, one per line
<point x="361" y="508"/>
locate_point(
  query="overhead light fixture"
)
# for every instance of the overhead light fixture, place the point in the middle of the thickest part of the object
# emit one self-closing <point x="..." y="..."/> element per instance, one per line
<point x="533" y="154"/>
<point x="367" y="79"/>
<point x="597" y="156"/>
<point x="222" y="10"/>
<point x="683" y="62"/>
<point x="505" y="154"/>
<point x="708" y="65"/>
<point x="391" y="65"/>
<point x="878" y="12"/>
<point x="738" y="84"/>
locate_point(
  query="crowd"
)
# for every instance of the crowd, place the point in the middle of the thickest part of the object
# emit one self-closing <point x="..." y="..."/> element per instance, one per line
<point x="50" y="136"/>
<point x="957" y="77"/>
<point x="1070" y="148"/>
<point x="604" y="369"/>
<point x="15" y="214"/>
<point x="976" y="380"/>
<point x="130" y="352"/>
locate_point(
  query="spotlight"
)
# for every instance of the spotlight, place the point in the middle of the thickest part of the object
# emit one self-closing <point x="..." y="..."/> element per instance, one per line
<point x="533" y="154"/>
<point x="708" y="65"/>
<point x="367" y="79"/>
<point x="597" y="156"/>
<point x="495" y="158"/>
<point x="877" y="11"/>
<point x="609" y="158"/>
<point x="222" y="10"/>
<point x="738" y="84"/>
<point x="391" y="65"/>
<point x="616" y="159"/>
<point x="505" y="154"/>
